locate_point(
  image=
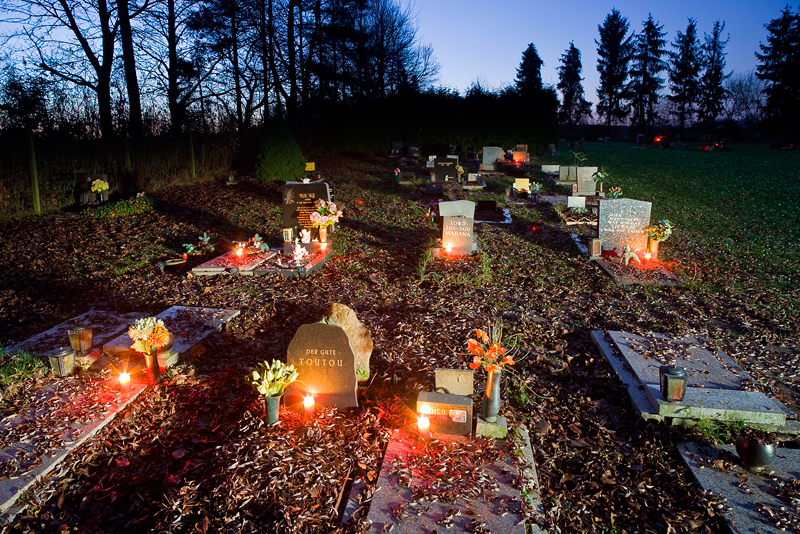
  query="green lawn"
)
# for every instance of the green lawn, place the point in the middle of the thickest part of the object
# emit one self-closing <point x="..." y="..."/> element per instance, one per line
<point x="737" y="212"/>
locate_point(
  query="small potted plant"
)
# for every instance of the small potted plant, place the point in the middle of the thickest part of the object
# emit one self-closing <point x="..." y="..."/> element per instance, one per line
<point x="756" y="449"/>
<point x="270" y="381"/>
<point x="535" y="186"/>
<point x="599" y="178"/>
<point x="655" y="233"/>
<point x="615" y="192"/>
<point x="489" y="354"/>
<point x="203" y="246"/>
<point x="326" y="214"/>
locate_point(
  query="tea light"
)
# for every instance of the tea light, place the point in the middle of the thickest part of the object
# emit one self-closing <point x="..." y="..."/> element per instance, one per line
<point x="448" y="248"/>
<point x="424" y="427"/>
<point x="647" y="256"/>
<point x="308" y="405"/>
<point x="125" y="382"/>
<point x="239" y="251"/>
<point x="323" y="246"/>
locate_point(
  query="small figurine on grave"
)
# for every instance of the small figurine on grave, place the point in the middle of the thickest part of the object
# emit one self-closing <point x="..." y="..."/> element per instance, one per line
<point x="305" y="235"/>
<point x="396" y="175"/>
<point x="628" y="255"/>
<point x="299" y="252"/>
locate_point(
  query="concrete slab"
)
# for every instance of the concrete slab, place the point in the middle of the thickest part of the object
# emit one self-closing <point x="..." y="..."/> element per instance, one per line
<point x="24" y="432"/>
<point x="497" y="430"/>
<point x="718" y="389"/>
<point x="314" y="263"/>
<point x="190" y="325"/>
<point x="105" y="325"/>
<point x="506" y="218"/>
<point x="419" y="490"/>
<point x="752" y="499"/>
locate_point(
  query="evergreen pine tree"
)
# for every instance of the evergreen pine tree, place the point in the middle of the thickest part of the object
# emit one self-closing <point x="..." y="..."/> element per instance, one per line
<point x="573" y="105"/>
<point x="614" y="51"/>
<point x="529" y="72"/>
<point x="685" y="63"/>
<point x="712" y="90"/>
<point x="780" y="68"/>
<point x="647" y="65"/>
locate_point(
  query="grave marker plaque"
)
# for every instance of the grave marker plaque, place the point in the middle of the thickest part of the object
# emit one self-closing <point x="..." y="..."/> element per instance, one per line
<point x="325" y="361"/>
<point x="457" y="235"/>
<point x="522" y="184"/>
<point x="621" y="221"/>
<point x="299" y="201"/>
<point x="567" y="173"/>
<point x="490" y="156"/>
<point x="550" y="169"/>
<point x="576" y="202"/>
<point x="586" y="183"/>
<point x="444" y="169"/>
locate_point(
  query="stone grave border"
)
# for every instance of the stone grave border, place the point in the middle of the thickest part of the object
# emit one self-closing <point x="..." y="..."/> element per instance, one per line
<point x="641" y="395"/>
<point x="674" y="280"/>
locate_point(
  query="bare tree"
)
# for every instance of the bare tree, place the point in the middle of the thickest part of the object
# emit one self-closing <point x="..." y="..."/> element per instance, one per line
<point x="73" y="40"/>
<point x="745" y="98"/>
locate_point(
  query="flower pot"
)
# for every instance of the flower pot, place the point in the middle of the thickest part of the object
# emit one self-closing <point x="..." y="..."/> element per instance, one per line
<point x="153" y="369"/>
<point x="491" y="397"/>
<point x="273" y="407"/>
<point x="754" y="454"/>
<point x="323" y="234"/>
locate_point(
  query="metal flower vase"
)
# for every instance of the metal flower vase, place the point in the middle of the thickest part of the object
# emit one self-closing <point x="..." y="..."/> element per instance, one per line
<point x="491" y="397"/>
<point x="273" y="407"/>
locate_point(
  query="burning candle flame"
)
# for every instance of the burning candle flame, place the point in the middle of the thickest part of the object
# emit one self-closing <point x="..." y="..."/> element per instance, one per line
<point x="424" y="427"/>
<point x="448" y="248"/>
<point x="124" y="378"/>
<point x="239" y="251"/>
<point x="647" y="256"/>
<point x="308" y="402"/>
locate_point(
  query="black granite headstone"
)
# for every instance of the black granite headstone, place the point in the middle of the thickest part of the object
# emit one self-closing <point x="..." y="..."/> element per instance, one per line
<point x="444" y="169"/>
<point x="299" y="201"/>
<point x="448" y="414"/>
<point x="325" y="362"/>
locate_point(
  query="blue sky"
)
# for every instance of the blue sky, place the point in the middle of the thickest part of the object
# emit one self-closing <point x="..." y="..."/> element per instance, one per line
<point x="484" y="40"/>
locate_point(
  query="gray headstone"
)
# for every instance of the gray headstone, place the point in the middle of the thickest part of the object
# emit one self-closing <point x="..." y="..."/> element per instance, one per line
<point x="445" y="169"/>
<point x="299" y="201"/>
<point x="576" y="202"/>
<point x="586" y="183"/>
<point x="567" y="173"/>
<point x="454" y="157"/>
<point x="397" y="148"/>
<point x="550" y="169"/>
<point x="457" y="235"/>
<point x="473" y="177"/>
<point x="325" y="360"/>
<point x="490" y="156"/>
<point x="457" y="208"/>
<point x="413" y="151"/>
<point x="621" y="221"/>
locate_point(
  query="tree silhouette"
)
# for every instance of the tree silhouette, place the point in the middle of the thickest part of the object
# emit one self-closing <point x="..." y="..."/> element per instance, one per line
<point x="573" y="104"/>
<point x="645" y="80"/>
<point x="685" y="63"/>
<point x="614" y="51"/>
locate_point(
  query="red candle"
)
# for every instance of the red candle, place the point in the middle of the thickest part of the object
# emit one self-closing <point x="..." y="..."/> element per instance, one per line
<point x="424" y="427"/>
<point x="125" y="382"/>
<point x="308" y="406"/>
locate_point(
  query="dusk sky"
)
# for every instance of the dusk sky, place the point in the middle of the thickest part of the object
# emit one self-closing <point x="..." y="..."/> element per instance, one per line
<point x="480" y="40"/>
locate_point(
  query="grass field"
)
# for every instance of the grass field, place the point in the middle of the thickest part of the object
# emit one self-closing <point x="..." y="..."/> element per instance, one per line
<point x="737" y="212"/>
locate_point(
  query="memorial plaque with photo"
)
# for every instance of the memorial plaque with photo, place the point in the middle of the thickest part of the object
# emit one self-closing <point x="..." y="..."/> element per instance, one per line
<point x="445" y="169"/>
<point x="325" y="361"/>
<point x="299" y="201"/>
<point x="457" y="235"/>
<point x="621" y="221"/>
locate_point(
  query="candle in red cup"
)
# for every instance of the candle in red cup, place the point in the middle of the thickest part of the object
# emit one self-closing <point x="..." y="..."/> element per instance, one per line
<point x="308" y="406"/>
<point x="125" y="382"/>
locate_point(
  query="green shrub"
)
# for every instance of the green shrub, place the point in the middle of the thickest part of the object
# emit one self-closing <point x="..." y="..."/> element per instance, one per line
<point x="280" y="157"/>
<point x="124" y="208"/>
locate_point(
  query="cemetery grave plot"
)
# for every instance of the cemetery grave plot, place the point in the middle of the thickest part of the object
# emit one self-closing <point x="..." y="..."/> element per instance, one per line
<point x="584" y="427"/>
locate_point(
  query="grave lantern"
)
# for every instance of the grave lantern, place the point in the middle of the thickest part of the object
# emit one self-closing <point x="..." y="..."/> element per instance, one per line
<point x="80" y="339"/>
<point x="673" y="383"/>
<point x="597" y="248"/>
<point x="287" y="235"/>
<point x="62" y="361"/>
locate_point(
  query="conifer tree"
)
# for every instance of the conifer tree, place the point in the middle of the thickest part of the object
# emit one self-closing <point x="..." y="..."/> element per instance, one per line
<point x="647" y="65"/>
<point x="684" y="72"/>
<point x="780" y="69"/>
<point x="712" y="89"/>
<point x="573" y="104"/>
<point x="614" y="51"/>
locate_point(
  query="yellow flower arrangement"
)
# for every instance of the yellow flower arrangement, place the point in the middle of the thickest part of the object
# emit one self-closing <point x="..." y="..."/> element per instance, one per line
<point x="98" y="186"/>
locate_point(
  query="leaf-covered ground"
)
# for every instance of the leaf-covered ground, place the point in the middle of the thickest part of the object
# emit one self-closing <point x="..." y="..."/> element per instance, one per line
<point x="194" y="454"/>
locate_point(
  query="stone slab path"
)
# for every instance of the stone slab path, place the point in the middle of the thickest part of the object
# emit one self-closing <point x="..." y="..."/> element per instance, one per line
<point x="754" y="505"/>
<point x="64" y="414"/>
<point x="416" y="494"/>
<point x="718" y="389"/>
